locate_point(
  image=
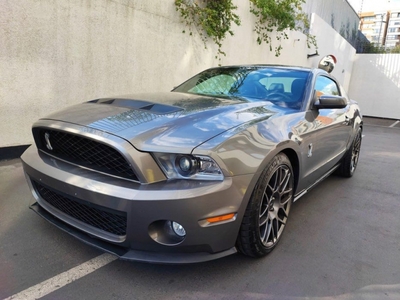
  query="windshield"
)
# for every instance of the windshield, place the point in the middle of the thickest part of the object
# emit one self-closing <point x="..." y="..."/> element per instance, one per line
<point x="284" y="87"/>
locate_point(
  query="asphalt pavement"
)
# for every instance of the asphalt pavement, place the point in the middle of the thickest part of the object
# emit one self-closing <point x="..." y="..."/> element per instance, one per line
<point x="342" y="241"/>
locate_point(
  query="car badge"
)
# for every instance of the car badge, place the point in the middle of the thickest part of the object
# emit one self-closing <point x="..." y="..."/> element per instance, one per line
<point x="47" y="138"/>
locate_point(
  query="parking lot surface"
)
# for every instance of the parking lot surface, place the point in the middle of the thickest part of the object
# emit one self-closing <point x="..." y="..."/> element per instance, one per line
<point x="342" y="242"/>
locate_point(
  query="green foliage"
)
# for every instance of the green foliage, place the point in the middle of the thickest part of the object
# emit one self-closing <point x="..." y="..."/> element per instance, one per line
<point x="212" y="18"/>
<point x="377" y="49"/>
<point x="395" y="49"/>
<point x="373" y="48"/>
<point x="279" y="16"/>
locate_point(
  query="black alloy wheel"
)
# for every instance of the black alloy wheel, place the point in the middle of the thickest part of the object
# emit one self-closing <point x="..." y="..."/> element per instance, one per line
<point x="350" y="160"/>
<point x="268" y="210"/>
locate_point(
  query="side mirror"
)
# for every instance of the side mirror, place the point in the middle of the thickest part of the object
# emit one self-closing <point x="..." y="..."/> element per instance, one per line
<point x="329" y="101"/>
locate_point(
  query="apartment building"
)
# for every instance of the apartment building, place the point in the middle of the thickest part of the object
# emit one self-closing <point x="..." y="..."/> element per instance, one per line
<point x="393" y="29"/>
<point x="381" y="28"/>
<point x="374" y="26"/>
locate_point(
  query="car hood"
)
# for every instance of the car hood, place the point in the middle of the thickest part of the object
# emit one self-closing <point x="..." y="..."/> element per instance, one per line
<point x="172" y="122"/>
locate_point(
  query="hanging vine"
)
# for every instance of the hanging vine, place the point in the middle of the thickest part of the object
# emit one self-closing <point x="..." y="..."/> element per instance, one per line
<point x="279" y="16"/>
<point x="213" y="19"/>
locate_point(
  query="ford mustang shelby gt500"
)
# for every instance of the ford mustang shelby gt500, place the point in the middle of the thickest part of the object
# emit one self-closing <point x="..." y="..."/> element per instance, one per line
<point x="198" y="173"/>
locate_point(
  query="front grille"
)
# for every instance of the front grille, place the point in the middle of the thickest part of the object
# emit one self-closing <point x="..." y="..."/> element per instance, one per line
<point x="105" y="219"/>
<point x="85" y="152"/>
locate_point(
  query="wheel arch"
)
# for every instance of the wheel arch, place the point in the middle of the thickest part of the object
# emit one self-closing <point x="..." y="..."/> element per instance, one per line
<point x="294" y="161"/>
<point x="293" y="157"/>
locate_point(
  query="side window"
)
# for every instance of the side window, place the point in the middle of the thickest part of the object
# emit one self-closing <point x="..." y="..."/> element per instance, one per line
<point x="326" y="86"/>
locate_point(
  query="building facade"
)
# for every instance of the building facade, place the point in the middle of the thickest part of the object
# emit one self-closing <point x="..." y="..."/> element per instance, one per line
<point x="393" y="30"/>
<point x="381" y="28"/>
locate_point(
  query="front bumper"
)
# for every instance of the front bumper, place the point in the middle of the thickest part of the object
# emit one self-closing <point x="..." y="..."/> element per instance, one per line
<point x="186" y="202"/>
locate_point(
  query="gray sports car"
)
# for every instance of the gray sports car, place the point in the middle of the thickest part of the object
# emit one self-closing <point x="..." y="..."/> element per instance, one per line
<point x="198" y="173"/>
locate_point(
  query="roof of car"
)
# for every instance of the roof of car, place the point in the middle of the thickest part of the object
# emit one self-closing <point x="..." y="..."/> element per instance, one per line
<point x="266" y="66"/>
<point x="288" y="67"/>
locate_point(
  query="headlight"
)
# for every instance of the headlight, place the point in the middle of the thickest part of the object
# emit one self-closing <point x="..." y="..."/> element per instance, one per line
<point x="185" y="164"/>
<point x="182" y="166"/>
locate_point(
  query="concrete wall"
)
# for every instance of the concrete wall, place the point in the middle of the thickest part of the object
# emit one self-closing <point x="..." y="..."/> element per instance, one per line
<point x="331" y="42"/>
<point x="375" y="84"/>
<point x="339" y="14"/>
<point x="57" y="53"/>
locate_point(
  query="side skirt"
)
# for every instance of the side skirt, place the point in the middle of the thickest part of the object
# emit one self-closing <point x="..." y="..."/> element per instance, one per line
<point x="305" y="191"/>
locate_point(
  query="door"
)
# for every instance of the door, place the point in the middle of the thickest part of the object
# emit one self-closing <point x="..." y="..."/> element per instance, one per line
<point x="325" y="134"/>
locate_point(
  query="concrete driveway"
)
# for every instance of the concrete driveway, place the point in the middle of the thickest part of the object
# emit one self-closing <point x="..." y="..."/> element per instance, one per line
<point x="342" y="242"/>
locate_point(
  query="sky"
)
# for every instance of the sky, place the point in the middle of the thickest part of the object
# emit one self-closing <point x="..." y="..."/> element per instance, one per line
<point x="374" y="5"/>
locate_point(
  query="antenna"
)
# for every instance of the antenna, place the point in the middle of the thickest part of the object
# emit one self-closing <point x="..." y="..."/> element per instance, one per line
<point x="360" y="11"/>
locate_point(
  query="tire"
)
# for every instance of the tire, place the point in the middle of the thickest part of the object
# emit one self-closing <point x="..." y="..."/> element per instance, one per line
<point x="267" y="212"/>
<point x="350" y="160"/>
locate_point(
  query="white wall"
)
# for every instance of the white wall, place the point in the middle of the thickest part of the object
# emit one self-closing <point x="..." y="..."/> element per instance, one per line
<point x="331" y="42"/>
<point x="339" y="14"/>
<point x="58" y="53"/>
<point x="375" y="84"/>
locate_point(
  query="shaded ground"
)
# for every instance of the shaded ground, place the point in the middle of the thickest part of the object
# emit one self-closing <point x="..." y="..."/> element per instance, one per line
<point x="381" y="122"/>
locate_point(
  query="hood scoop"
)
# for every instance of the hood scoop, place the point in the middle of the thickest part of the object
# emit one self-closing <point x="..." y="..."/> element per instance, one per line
<point x="155" y="108"/>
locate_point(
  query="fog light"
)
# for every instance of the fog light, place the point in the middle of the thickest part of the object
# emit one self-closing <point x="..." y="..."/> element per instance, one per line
<point x="166" y="232"/>
<point x="178" y="229"/>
